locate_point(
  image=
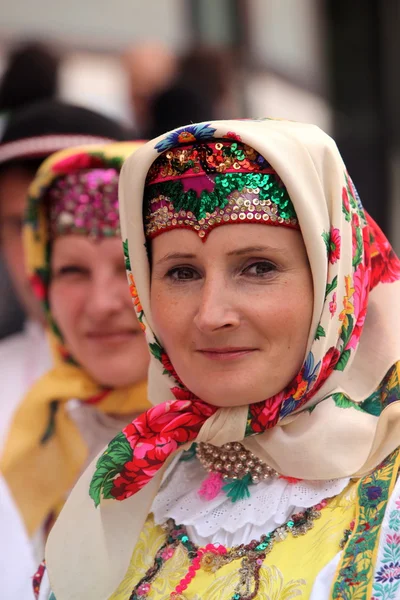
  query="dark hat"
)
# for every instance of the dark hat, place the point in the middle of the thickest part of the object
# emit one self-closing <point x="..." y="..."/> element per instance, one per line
<point x="38" y="130"/>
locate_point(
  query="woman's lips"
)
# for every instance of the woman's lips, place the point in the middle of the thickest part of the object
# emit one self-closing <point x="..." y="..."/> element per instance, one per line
<point x="110" y="337"/>
<point x="228" y="353"/>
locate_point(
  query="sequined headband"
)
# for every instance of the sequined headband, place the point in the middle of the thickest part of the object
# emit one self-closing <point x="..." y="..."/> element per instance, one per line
<point x="202" y="186"/>
<point x="85" y="202"/>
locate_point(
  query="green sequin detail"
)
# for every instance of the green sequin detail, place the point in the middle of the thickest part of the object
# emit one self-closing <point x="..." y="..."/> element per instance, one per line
<point x="262" y="546"/>
<point x="268" y="185"/>
<point x="290" y="524"/>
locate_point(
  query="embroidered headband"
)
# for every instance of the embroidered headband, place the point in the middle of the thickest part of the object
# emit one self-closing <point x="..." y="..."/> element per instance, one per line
<point x="202" y="186"/>
<point x="85" y="202"/>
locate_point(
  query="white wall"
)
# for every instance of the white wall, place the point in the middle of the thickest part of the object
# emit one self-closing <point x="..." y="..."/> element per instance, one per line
<point x="288" y="36"/>
<point x="271" y="96"/>
<point x="109" y="24"/>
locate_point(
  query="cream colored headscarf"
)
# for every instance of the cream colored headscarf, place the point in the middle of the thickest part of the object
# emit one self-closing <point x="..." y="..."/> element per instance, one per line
<point x="350" y="420"/>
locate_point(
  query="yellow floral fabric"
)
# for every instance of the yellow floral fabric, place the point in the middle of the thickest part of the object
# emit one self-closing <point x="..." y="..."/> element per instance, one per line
<point x="281" y="577"/>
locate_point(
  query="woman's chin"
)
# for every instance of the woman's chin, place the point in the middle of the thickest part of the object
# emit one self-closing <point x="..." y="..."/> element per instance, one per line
<point x="227" y="398"/>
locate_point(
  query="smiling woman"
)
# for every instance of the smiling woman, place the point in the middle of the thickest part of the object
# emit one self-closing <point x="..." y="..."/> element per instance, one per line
<point x="92" y="307"/>
<point x="227" y="309"/>
<point x="268" y="467"/>
<point x="98" y="383"/>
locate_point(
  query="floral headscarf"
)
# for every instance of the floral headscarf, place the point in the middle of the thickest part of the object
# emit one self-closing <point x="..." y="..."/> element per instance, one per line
<point x="339" y="417"/>
<point x="45" y="451"/>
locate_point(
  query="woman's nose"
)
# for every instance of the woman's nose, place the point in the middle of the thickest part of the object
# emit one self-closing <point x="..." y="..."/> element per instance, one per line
<point x="217" y="307"/>
<point x="106" y="296"/>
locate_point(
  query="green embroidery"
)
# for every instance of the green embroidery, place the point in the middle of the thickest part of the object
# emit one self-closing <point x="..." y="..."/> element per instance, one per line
<point x="342" y="362"/>
<point x="156" y="350"/>
<point x="331" y="286"/>
<point x="372" y="405"/>
<point x="386" y="393"/>
<point x="238" y="489"/>
<point x="126" y="255"/>
<point x="356" y="567"/>
<point x="358" y="256"/>
<point x="326" y="236"/>
<point x="108" y="466"/>
<point x="394" y="521"/>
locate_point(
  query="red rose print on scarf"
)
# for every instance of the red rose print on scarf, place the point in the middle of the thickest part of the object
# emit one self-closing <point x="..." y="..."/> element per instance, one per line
<point x="166" y="363"/>
<point x="183" y="394"/>
<point x="346" y="203"/>
<point x="385" y="264"/>
<point x="154" y="436"/>
<point x="265" y="414"/>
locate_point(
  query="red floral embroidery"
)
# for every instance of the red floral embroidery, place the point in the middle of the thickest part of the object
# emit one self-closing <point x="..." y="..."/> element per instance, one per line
<point x="385" y="264"/>
<point x="329" y="362"/>
<point x="154" y="436"/>
<point x="77" y="162"/>
<point x="264" y="415"/>
<point x="166" y="363"/>
<point x="334" y="245"/>
<point x="183" y="394"/>
<point x="333" y="305"/>
<point x="345" y="200"/>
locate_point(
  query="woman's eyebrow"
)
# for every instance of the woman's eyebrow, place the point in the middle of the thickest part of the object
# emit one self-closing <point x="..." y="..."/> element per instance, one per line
<point x="250" y="249"/>
<point x="175" y="256"/>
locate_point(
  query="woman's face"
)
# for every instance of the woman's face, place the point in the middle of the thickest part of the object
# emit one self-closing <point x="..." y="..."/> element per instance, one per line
<point x="91" y="304"/>
<point x="233" y="313"/>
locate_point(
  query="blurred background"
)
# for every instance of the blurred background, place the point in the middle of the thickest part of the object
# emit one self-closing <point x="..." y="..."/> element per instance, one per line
<point x="157" y="64"/>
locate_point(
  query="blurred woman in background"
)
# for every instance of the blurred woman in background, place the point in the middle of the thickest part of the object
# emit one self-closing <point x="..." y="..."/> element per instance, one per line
<point x="31" y="135"/>
<point x="75" y="263"/>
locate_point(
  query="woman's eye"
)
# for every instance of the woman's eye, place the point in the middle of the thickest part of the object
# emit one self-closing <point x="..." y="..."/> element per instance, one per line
<point x="260" y="268"/>
<point x="182" y="274"/>
<point x="70" y="270"/>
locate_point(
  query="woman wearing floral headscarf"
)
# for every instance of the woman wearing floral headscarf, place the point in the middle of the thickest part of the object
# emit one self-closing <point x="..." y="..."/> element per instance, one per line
<point x="98" y="382"/>
<point x="268" y="466"/>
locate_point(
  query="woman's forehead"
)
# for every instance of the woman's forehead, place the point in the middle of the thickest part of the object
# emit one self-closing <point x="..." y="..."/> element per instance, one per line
<point x="78" y="246"/>
<point x="229" y="240"/>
